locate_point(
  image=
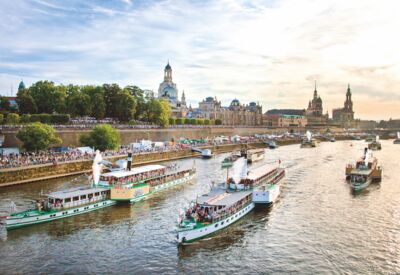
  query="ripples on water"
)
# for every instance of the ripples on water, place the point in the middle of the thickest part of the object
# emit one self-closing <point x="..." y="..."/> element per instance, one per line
<point x="317" y="226"/>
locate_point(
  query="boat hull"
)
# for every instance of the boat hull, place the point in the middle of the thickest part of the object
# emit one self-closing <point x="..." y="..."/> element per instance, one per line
<point x="396" y="141"/>
<point x="267" y="196"/>
<point x="358" y="187"/>
<point x="187" y="236"/>
<point x="12" y="222"/>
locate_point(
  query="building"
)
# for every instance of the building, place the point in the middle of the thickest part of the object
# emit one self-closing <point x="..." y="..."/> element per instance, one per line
<point x="314" y="111"/>
<point x="235" y="114"/>
<point x="169" y="91"/>
<point x="281" y="120"/>
<point x="345" y="116"/>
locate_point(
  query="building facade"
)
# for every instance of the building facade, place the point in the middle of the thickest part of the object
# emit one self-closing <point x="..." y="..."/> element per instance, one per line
<point x="345" y="116"/>
<point x="314" y="111"/>
<point x="235" y="114"/>
<point x="169" y="91"/>
<point x="281" y="120"/>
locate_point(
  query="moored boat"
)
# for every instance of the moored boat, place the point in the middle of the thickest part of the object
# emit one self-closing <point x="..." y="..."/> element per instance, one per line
<point x="206" y="153"/>
<point x="308" y="142"/>
<point x="375" y="144"/>
<point x="271" y="144"/>
<point x="397" y="140"/>
<point x="364" y="172"/>
<point x="228" y="161"/>
<point x="253" y="155"/>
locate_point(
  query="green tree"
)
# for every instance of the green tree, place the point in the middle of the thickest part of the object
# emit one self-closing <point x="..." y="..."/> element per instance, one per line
<point x="153" y="110"/>
<point x="25" y="118"/>
<point x="125" y="105"/>
<point x="187" y="121"/>
<point x="48" y="97"/>
<point x="139" y="95"/>
<point x="200" y="121"/>
<point x="206" y="121"/>
<point x="78" y="103"/>
<point x="172" y="121"/>
<point x="4" y="104"/>
<point x="218" y="122"/>
<point x="193" y="121"/>
<point x="111" y="92"/>
<point x="12" y="118"/>
<point x="26" y="104"/>
<point x="179" y="121"/>
<point x="102" y="137"/>
<point x="1" y="118"/>
<point x="98" y="105"/>
<point x="38" y="136"/>
<point x="163" y="119"/>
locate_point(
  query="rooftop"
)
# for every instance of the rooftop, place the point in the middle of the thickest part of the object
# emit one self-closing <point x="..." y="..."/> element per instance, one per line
<point x="133" y="171"/>
<point x="70" y="193"/>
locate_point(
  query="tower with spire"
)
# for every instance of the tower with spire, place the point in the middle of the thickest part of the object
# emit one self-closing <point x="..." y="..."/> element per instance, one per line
<point x="345" y="116"/>
<point x="314" y="111"/>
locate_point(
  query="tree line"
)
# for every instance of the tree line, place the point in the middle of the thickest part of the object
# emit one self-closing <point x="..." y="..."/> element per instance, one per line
<point x="99" y="101"/>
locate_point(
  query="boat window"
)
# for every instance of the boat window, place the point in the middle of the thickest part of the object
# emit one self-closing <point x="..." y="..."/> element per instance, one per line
<point x="216" y="225"/>
<point x="67" y="200"/>
<point x="97" y="194"/>
<point x="51" y="200"/>
<point x="83" y="197"/>
<point x="76" y="198"/>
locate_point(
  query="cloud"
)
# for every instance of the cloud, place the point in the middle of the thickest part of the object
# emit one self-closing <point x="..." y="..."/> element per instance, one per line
<point x="267" y="51"/>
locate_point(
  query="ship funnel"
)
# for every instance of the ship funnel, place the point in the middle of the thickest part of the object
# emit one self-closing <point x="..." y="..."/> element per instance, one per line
<point x="129" y="161"/>
<point x="377" y="138"/>
<point x="398" y="135"/>
<point x="96" y="167"/>
<point x="309" y="135"/>
<point x="366" y="157"/>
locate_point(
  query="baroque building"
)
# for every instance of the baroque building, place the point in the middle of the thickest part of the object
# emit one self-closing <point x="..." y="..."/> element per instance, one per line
<point x="169" y="92"/>
<point x="234" y="114"/>
<point x="345" y="116"/>
<point x="314" y="111"/>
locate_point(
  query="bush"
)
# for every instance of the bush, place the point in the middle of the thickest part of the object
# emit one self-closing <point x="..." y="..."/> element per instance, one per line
<point x="25" y="118"/>
<point x="179" y="121"/>
<point x="193" y="121"/>
<point x="187" y="120"/>
<point x="206" y="121"/>
<point x="102" y="137"/>
<point x="200" y="121"/>
<point x="218" y="122"/>
<point x="60" y="119"/>
<point x="132" y="122"/>
<point x="212" y="121"/>
<point x="1" y="118"/>
<point x="12" y="118"/>
<point x="38" y="136"/>
<point x="42" y="118"/>
<point x="172" y="121"/>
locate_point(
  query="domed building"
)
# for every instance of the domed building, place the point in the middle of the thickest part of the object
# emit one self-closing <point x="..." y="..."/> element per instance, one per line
<point x="169" y="91"/>
<point x="314" y="112"/>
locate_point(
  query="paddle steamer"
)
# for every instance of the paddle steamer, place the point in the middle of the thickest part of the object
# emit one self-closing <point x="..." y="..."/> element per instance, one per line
<point x="397" y="140"/>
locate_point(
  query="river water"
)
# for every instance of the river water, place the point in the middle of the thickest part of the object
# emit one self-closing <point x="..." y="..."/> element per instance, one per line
<point x="317" y="226"/>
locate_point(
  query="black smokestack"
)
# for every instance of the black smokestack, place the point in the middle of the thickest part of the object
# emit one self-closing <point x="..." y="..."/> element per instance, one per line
<point x="365" y="151"/>
<point x="129" y="161"/>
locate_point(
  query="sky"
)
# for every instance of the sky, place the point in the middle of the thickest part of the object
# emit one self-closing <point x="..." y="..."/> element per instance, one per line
<point x="269" y="52"/>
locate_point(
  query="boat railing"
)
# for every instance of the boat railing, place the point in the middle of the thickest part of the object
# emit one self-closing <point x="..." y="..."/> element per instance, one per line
<point x="68" y="205"/>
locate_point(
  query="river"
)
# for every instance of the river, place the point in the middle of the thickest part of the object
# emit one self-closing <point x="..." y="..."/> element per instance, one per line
<point x="317" y="226"/>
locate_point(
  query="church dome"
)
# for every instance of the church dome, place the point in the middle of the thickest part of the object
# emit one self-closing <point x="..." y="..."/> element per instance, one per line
<point x="21" y="85"/>
<point x="235" y="102"/>
<point x="209" y="99"/>
<point x="252" y="104"/>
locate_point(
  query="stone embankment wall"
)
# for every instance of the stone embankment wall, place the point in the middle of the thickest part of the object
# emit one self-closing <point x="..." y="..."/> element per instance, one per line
<point x="30" y="174"/>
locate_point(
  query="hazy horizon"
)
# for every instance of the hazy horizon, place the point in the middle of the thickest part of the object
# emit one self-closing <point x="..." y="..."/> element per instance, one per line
<point x="264" y="51"/>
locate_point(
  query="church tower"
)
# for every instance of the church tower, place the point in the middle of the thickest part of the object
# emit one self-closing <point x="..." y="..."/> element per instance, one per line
<point x="168" y="73"/>
<point x="183" y="99"/>
<point x="348" y="104"/>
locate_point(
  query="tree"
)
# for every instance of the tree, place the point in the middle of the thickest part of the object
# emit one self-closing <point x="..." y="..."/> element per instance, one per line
<point x="25" y="118"/>
<point x="1" y="118"/>
<point x="163" y="119"/>
<point x="218" y="122"/>
<point x="98" y="105"/>
<point x="78" y="103"/>
<point x="172" y="121"/>
<point x="26" y="104"/>
<point x="179" y="121"/>
<point x="153" y="110"/>
<point x="111" y="92"/>
<point x="193" y="121"/>
<point x="187" y="121"/>
<point x="38" y="136"/>
<point x="200" y="121"/>
<point x="48" y="97"/>
<point x="125" y="106"/>
<point x="206" y="121"/>
<point x="102" y="137"/>
<point x="139" y="95"/>
<point x="12" y="118"/>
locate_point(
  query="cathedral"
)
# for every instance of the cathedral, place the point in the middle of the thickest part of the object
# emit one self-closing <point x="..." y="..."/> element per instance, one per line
<point x="169" y="91"/>
<point x="314" y="112"/>
<point x="345" y="116"/>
